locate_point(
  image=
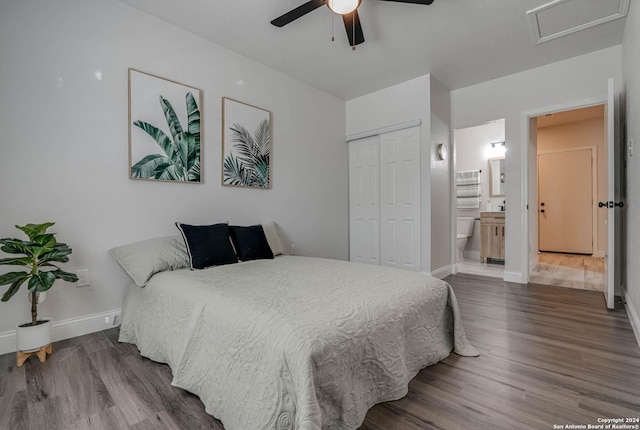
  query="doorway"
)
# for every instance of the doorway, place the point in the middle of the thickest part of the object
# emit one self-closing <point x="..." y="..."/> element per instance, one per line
<point x="567" y="182"/>
<point x="479" y="191"/>
<point x="571" y="179"/>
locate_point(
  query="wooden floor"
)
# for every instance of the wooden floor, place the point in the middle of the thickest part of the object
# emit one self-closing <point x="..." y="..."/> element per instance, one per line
<point x="548" y="356"/>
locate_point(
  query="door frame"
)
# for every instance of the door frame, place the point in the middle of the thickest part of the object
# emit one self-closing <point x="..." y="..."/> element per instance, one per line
<point x="453" y="191"/>
<point x="530" y="202"/>
<point x="594" y="191"/>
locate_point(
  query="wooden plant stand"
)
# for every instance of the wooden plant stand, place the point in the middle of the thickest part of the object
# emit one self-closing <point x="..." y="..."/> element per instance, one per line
<point x="21" y="357"/>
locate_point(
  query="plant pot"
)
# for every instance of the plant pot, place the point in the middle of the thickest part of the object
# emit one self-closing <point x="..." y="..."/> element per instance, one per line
<point x="31" y="338"/>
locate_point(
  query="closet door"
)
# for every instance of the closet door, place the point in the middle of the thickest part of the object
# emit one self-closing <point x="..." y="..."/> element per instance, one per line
<point x="364" y="202"/>
<point x="400" y="199"/>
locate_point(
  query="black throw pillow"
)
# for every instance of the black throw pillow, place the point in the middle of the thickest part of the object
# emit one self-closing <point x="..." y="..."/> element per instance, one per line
<point x="250" y="243"/>
<point x="208" y="245"/>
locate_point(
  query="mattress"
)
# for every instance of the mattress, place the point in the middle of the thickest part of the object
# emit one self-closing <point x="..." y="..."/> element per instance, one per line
<point x="295" y="342"/>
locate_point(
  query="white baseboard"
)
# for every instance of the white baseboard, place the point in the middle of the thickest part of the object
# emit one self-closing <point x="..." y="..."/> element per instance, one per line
<point x="68" y="328"/>
<point x="517" y="277"/>
<point x="634" y="318"/>
<point x="442" y="272"/>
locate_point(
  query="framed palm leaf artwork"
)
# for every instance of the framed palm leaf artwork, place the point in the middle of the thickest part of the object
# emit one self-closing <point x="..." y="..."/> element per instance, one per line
<point x="246" y="145"/>
<point x="164" y="129"/>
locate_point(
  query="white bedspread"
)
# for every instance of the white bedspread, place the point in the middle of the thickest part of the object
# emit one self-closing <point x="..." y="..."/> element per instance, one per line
<point x="295" y="342"/>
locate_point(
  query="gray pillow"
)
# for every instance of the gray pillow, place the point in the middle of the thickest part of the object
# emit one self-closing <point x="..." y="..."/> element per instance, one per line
<point x="142" y="260"/>
<point x="271" y="232"/>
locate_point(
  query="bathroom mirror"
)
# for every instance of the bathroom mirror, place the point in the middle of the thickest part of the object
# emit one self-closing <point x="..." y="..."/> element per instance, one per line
<point x="496" y="177"/>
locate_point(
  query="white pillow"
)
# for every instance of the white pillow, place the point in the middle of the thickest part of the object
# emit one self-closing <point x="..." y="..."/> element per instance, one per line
<point x="142" y="260"/>
<point x="271" y="232"/>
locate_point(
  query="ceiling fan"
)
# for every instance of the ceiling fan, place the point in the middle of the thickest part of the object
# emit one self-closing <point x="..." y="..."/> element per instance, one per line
<point x="347" y="8"/>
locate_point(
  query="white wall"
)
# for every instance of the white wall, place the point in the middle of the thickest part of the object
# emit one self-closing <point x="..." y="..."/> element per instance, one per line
<point x="64" y="143"/>
<point x="631" y="70"/>
<point x="399" y="104"/>
<point x="473" y="150"/>
<point x="566" y="82"/>
<point x="441" y="178"/>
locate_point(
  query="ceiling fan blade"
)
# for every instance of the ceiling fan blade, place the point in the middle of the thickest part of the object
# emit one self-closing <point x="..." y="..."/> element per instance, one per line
<point x="426" y="2"/>
<point x="298" y="12"/>
<point x="353" y="27"/>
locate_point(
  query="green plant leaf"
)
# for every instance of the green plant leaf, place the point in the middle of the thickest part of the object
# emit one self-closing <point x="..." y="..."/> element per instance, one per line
<point x="262" y="138"/>
<point x="47" y="264"/>
<point x="58" y="255"/>
<point x="193" y="152"/>
<point x="45" y="239"/>
<point x="41" y="282"/>
<point x="193" y="119"/>
<point x="33" y="230"/>
<point x="159" y="137"/>
<point x="15" y="246"/>
<point x="11" y="277"/>
<point x="243" y="141"/>
<point x="146" y="167"/>
<point x="16" y="261"/>
<point x="14" y="287"/>
<point x="65" y="276"/>
<point x="172" y="172"/>
<point x="182" y="143"/>
<point x="194" y="172"/>
<point x="172" y="119"/>
<point x="232" y="170"/>
<point x="181" y="152"/>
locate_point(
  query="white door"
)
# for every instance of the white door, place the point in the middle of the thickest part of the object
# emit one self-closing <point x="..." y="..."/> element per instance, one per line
<point x="565" y="206"/>
<point x="364" y="207"/>
<point x="612" y="265"/>
<point x="400" y="198"/>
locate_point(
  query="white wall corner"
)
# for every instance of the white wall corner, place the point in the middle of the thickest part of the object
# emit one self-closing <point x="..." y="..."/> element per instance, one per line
<point x="443" y="272"/>
<point x="517" y="277"/>
<point x="66" y="329"/>
<point x="633" y="311"/>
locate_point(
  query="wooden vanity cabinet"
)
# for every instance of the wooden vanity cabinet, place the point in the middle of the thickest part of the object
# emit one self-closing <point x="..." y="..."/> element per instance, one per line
<point x="491" y="235"/>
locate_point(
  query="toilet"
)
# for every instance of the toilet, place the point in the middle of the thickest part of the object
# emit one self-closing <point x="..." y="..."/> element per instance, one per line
<point x="464" y="231"/>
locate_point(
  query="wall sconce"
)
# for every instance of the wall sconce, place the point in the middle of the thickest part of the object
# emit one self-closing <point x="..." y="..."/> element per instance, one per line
<point x="498" y="149"/>
<point x="441" y="151"/>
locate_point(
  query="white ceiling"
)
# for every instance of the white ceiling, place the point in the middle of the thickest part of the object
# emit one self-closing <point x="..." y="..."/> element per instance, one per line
<point x="461" y="42"/>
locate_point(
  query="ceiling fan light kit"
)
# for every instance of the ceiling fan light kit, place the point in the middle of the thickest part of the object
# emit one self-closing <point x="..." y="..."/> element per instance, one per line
<point x="347" y="8"/>
<point x="342" y="7"/>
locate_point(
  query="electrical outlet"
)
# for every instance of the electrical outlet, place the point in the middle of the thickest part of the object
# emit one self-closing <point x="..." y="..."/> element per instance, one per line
<point x="84" y="278"/>
<point x="293" y="249"/>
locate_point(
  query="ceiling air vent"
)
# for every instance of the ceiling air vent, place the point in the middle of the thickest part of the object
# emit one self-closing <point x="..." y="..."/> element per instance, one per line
<point x="562" y="17"/>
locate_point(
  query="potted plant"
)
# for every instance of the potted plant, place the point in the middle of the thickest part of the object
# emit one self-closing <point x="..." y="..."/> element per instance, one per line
<point x="37" y="255"/>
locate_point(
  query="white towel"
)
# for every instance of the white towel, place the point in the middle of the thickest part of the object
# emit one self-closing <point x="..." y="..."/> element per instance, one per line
<point x="468" y="189"/>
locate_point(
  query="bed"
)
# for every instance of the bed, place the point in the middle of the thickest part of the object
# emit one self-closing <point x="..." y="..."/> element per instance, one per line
<point x="293" y="342"/>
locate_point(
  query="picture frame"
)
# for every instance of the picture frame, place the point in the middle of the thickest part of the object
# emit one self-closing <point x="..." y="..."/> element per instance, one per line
<point x="165" y="129"/>
<point x="246" y="145"/>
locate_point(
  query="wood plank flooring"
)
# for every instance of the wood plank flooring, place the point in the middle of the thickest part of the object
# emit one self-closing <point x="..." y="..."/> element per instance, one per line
<point x="548" y="356"/>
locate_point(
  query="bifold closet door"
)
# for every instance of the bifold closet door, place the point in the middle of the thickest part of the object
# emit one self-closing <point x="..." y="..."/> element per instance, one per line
<point x="364" y="200"/>
<point x="400" y="199"/>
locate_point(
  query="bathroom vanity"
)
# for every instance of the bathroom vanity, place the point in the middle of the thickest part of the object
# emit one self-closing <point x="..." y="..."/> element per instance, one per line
<point x="491" y="236"/>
